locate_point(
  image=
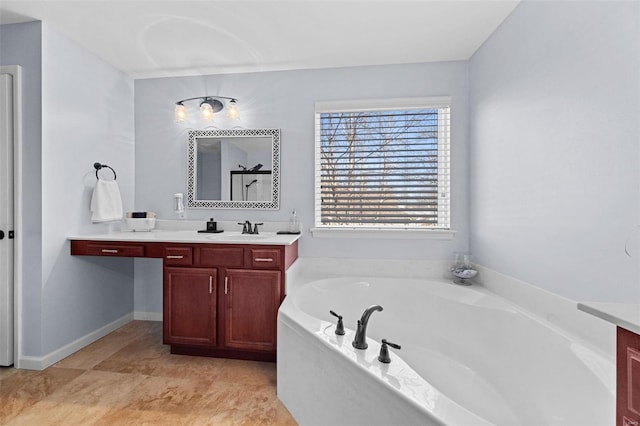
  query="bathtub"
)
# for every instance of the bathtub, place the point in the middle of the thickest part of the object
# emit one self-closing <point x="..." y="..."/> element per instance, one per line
<point x="468" y="357"/>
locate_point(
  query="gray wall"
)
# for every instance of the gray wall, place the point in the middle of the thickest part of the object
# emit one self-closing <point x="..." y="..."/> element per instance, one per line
<point x="87" y="109"/>
<point x="286" y="100"/>
<point x="77" y="110"/>
<point x="554" y="107"/>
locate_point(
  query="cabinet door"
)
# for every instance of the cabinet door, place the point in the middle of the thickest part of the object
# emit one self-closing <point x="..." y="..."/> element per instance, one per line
<point x="190" y="306"/>
<point x="628" y="382"/>
<point x="252" y="299"/>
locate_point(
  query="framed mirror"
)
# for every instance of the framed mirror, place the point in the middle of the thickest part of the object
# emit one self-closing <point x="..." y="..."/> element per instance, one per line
<point x="234" y="169"/>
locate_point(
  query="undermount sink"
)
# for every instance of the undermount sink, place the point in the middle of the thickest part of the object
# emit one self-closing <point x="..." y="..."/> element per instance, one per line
<point x="244" y="237"/>
<point x="238" y="237"/>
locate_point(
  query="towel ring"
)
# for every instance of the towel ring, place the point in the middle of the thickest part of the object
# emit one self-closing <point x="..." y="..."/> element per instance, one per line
<point x="99" y="166"/>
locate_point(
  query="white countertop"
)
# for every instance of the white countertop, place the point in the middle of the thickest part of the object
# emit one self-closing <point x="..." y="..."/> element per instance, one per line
<point x="625" y="315"/>
<point x="184" y="236"/>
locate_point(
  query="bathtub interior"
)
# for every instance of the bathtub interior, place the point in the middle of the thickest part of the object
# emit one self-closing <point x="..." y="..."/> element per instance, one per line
<point x="477" y="349"/>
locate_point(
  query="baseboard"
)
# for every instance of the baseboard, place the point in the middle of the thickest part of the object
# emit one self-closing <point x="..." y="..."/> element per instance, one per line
<point x="147" y="316"/>
<point x="40" y="363"/>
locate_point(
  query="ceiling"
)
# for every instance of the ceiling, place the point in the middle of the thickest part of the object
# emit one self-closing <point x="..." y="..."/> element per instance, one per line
<point x="162" y="38"/>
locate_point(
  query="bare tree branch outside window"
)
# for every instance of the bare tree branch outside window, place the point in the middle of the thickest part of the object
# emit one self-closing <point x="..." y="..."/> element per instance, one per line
<point x="381" y="168"/>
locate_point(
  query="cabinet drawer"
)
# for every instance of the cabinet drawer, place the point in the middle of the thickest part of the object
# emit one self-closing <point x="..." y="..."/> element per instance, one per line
<point x="222" y="256"/>
<point x="178" y="256"/>
<point x="265" y="258"/>
<point x="114" y="250"/>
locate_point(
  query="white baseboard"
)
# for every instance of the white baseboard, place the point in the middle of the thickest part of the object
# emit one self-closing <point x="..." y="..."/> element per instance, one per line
<point x="40" y="363"/>
<point x="147" y="316"/>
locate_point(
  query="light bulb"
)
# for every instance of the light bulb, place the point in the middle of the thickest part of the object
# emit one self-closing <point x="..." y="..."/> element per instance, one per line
<point x="206" y="111"/>
<point x="232" y="110"/>
<point x="180" y="113"/>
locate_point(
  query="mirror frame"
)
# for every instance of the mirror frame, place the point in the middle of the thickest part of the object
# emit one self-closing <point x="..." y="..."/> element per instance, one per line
<point x="193" y="202"/>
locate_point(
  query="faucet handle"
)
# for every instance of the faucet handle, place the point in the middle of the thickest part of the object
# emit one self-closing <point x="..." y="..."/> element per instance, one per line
<point x="384" y="351"/>
<point x="393" y="345"/>
<point x="255" y="227"/>
<point x="340" y="326"/>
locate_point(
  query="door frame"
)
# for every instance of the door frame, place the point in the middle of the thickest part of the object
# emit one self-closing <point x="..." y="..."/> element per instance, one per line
<point x="16" y="72"/>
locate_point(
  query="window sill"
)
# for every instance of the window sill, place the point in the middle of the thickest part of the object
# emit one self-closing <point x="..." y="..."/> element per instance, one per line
<point x="372" y="233"/>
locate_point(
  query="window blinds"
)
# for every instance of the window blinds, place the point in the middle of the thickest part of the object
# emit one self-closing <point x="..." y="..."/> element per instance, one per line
<point x="383" y="168"/>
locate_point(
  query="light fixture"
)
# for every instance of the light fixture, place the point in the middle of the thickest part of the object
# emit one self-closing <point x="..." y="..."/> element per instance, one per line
<point x="209" y="105"/>
<point x="180" y="113"/>
<point x="207" y="110"/>
<point x="232" y="110"/>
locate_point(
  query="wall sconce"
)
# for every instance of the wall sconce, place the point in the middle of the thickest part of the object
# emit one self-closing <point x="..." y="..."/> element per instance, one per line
<point x="209" y="105"/>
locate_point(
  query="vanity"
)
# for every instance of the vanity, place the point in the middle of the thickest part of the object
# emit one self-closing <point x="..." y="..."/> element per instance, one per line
<point x="221" y="292"/>
<point x="626" y="318"/>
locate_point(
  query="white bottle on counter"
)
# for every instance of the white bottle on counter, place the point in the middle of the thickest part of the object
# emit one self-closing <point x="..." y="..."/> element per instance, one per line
<point x="294" y="223"/>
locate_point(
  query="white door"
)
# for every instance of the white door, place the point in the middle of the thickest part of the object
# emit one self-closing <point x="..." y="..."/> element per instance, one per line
<point x="6" y="218"/>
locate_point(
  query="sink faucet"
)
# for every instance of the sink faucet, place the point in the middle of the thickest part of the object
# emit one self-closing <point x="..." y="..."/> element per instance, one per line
<point x="255" y="228"/>
<point x="360" y="341"/>
<point x="246" y="227"/>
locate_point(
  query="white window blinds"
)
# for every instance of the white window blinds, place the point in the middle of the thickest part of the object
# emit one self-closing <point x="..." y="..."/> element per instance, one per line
<point x="383" y="168"/>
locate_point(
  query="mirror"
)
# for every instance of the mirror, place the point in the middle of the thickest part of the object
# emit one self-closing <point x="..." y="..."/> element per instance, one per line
<point x="234" y="169"/>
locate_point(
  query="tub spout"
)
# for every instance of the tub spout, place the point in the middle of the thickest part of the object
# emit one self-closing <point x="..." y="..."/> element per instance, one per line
<point x="360" y="341"/>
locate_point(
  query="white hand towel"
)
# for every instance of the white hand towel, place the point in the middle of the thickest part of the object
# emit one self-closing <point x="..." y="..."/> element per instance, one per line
<point x="106" y="203"/>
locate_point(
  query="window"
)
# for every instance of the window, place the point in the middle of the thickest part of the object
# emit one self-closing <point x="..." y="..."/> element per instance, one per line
<point x="383" y="164"/>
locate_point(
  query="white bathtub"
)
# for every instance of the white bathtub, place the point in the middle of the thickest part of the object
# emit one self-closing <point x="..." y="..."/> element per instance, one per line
<point x="468" y="357"/>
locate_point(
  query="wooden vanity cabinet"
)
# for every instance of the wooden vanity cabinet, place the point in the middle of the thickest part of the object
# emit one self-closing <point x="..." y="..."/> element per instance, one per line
<point x="219" y="299"/>
<point x="223" y="300"/>
<point x="628" y="378"/>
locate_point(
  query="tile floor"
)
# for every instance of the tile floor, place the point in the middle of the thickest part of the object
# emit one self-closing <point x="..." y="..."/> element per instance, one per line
<point x="130" y="378"/>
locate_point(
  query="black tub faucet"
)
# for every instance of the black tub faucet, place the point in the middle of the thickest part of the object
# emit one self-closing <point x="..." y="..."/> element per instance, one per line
<point x="360" y="341"/>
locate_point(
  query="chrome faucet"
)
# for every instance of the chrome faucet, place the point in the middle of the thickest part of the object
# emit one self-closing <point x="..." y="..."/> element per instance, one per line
<point x="360" y="341"/>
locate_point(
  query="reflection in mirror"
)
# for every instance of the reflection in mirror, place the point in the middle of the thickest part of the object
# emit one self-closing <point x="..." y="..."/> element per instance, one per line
<point x="251" y="186"/>
<point x="224" y="169"/>
<point x="234" y="168"/>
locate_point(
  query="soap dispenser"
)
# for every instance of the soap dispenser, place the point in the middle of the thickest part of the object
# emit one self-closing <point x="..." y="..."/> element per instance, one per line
<point x="294" y="223"/>
<point x="178" y="204"/>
